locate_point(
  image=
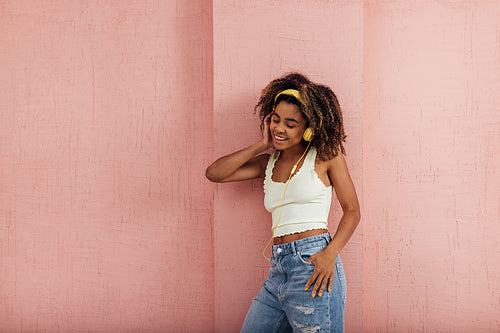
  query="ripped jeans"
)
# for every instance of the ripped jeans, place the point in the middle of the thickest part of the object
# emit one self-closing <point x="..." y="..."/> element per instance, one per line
<point x="282" y="305"/>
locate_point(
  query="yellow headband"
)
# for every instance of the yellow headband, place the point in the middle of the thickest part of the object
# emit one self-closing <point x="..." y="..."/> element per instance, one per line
<point x="290" y="92"/>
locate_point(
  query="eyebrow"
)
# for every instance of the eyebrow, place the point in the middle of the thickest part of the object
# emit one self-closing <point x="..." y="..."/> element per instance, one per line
<point x="287" y="119"/>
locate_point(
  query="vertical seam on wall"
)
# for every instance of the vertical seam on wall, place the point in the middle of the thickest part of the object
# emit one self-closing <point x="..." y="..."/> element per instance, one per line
<point x="212" y="139"/>
<point x="363" y="95"/>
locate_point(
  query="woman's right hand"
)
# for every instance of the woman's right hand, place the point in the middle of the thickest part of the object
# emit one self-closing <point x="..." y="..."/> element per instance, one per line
<point x="267" y="139"/>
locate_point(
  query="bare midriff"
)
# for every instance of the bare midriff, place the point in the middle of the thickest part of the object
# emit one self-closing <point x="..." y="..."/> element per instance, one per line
<point x="293" y="237"/>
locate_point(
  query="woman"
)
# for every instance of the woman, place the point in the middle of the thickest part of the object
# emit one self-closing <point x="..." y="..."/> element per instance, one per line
<point x="303" y="122"/>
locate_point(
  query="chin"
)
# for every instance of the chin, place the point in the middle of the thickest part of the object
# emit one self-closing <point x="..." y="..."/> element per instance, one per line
<point x="283" y="146"/>
<point x="280" y="145"/>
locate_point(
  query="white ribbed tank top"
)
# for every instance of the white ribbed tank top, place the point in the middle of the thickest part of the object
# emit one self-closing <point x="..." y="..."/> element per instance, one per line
<point x="306" y="203"/>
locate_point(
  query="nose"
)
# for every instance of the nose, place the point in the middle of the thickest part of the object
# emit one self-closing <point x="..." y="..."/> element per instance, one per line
<point x="279" y="128"/>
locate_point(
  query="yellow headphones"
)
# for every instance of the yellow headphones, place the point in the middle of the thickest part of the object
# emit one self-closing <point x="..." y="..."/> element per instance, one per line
<point x="308" y="133"/>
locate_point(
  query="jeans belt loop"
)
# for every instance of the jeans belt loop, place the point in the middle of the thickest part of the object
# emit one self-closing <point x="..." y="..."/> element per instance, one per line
<point x="294" y="250"/>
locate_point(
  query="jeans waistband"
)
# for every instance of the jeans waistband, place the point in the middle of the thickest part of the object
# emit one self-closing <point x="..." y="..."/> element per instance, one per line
<point x="295" y="246"/>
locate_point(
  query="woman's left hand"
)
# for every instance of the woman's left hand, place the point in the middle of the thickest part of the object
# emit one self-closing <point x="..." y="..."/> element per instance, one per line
<point x="324" y="269"/>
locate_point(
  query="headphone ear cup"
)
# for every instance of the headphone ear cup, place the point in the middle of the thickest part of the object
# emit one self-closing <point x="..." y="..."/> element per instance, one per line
<point x="308" y="134"/>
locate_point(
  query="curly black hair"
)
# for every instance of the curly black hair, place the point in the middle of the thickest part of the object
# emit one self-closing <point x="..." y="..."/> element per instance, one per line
<point x="320" y="107"/>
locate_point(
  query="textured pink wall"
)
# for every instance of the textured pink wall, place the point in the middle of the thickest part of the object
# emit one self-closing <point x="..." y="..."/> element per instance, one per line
<point x="105" y="130"/>
<point x="106" y="115"/>
<point x="254" y="42"/>
<point x="431" y="143"/>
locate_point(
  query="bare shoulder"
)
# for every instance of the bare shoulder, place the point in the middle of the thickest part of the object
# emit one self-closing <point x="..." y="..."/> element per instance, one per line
<point x="329" y="171"/>
<point x="336" y="162"/>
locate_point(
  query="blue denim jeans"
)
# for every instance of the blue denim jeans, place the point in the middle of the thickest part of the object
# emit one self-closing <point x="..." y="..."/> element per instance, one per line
<point x="282" y="305"/>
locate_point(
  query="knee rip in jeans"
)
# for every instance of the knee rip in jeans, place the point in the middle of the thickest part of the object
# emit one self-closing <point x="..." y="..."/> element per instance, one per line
<point x="305" y="309"/>
<point x="307" y="329"/>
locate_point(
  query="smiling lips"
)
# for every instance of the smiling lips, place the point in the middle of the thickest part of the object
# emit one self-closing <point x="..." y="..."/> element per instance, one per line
<point x="279" y="139"/>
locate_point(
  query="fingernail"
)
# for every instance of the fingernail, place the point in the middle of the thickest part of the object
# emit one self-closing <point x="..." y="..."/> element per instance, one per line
<point x="319" y="294"/>
<point x="314" y="295"/>
<point x="305" y="289"/>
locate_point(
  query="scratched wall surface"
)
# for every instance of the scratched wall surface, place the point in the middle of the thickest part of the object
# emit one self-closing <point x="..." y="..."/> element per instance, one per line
<point x="254" y="42"/>
<point x="107" y="120"/>
<point x="430" y="166"/>
<point x="105" y="130"/>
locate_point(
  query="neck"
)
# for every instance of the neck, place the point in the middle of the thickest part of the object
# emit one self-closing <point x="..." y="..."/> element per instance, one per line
<point x="294" y="153"/>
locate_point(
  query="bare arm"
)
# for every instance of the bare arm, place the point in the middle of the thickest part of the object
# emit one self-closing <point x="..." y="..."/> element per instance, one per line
<point x="243" y="164"/>
<point x="346" y="194"/>
<point x="324" y="261"/>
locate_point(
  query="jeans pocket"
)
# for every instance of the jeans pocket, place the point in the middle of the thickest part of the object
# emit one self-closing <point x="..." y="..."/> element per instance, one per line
<point x="305" y="254"/>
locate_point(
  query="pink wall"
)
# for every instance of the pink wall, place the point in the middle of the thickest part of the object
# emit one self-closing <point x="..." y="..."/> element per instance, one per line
<point x="254" y="42"/>
<point x="110" y="111"/>
<point x="104" y="209"/>
<point x="431" y="140"/>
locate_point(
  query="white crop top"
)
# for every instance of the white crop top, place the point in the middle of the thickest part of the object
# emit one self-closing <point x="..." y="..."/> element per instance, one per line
<point x="306" y="203"/>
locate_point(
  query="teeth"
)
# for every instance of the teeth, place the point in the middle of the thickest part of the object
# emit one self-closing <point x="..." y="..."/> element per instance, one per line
<point x="279" y="138"/>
